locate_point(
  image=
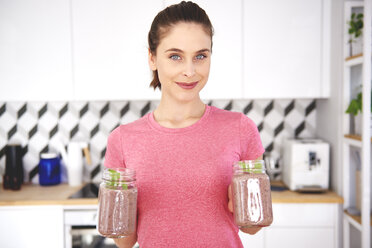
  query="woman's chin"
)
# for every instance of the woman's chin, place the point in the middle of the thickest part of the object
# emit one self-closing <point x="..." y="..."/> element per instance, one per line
<point x="183" y="96"/>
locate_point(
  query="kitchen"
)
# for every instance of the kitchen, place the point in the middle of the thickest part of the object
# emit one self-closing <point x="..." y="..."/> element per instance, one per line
<point x="66" y="77"/>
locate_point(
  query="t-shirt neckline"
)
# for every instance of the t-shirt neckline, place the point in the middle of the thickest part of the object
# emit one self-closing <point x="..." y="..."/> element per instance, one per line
<point x="154" y="124"/>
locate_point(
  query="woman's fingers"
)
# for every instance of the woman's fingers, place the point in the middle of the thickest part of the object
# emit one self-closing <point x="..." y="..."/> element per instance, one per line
<point x="250" y="230"/>
<point x="229" y="205"/>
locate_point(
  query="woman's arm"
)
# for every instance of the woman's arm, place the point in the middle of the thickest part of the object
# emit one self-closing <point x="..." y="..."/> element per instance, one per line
<point x="249" y="230"/>
<point x="127" y="242"/>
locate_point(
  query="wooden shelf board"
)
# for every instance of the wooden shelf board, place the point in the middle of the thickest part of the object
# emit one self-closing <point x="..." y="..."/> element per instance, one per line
<point x="354" y="57"/>
<point x="356" y="218"/>
<point x="354" y="61"/>
<point x="354" y="137"/>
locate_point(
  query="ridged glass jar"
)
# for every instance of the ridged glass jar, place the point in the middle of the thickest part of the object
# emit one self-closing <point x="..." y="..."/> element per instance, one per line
<point x="251" y="194"/>
<point x="117" y="207"/>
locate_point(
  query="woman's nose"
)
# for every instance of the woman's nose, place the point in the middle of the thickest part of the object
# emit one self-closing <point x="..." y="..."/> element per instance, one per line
<point x="189" y="69"/>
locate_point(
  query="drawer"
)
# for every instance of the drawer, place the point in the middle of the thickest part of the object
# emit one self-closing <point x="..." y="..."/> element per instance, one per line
<point x="80" y="217"/>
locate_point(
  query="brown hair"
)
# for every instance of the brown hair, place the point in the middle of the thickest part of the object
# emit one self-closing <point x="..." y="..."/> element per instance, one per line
<point x="165" y="19"/>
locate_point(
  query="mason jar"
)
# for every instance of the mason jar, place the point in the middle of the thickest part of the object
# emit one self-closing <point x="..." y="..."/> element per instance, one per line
<point x="117" y="206"/>
<point x="251" y="194"/>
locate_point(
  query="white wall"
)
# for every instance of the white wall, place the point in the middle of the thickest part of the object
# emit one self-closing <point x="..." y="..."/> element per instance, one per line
<point x="329" y="114"/>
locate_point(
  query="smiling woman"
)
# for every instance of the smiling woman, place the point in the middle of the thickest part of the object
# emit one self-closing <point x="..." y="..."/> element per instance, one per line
<point x="184" y="150"/>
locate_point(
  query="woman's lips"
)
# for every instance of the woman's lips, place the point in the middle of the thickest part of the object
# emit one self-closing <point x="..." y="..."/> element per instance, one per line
<point x="187" y="85"/>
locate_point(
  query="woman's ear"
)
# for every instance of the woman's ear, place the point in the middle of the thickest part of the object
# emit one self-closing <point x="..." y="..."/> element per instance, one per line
<point x="152" y="62"/>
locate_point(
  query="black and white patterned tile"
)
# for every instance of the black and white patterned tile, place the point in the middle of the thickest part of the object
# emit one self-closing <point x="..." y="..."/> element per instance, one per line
<point x="37" y="126"/>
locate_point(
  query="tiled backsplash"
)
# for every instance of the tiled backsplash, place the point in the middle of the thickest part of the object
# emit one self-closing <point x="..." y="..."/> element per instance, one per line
<point x="36" y="125"/>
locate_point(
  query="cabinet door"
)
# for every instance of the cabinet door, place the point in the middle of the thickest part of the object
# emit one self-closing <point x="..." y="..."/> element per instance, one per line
<point x="286" y="48"/>
<point x="35" y="50"/>
<point x="110" y="49"/>
<point x="299" y="237"/>
<point x="305" y="225"/>
<point x="32" y="227"/>
<point x="225" y="78"/>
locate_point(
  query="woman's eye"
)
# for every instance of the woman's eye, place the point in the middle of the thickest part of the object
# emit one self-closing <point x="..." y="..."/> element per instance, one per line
<point x="200" y="56"/>
<point x="175" y="57"/>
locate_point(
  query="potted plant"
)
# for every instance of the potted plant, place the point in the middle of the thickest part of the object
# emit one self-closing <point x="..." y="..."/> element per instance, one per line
<point x="355" y="29"/>
<point x="355" y="107"/>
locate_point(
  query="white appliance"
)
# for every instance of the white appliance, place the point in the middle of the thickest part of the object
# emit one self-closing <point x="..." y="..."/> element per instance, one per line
<point x="306" y="164"/>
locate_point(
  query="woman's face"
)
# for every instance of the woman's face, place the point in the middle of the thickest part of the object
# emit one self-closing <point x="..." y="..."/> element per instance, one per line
<point x="183" y="60"/>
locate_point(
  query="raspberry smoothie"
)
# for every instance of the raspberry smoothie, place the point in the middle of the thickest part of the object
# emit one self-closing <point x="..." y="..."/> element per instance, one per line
<point x="117" y="210"/>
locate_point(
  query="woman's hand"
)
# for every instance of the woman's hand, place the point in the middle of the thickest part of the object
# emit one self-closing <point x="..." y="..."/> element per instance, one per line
<point x="249" y="230"/>
<point x="127" y="242"/>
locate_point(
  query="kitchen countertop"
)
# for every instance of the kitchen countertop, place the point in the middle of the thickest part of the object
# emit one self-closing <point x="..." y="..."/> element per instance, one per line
<point x="32" y="194"/>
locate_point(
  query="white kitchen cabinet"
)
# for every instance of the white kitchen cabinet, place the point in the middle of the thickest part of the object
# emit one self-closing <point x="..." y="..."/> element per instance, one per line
<point x="110" y="49"/>
<point x="97" y="50"/>
<point x="31" y="226"/>
<point x="299" y="237"/>
<point x="35" y="50"/>
<point x="299" y="225"/>
<point x="286" y="48"/>
<point x="225" y="78"/>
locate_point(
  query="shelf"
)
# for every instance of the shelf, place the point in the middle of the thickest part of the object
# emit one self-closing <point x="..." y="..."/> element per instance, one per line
<point x="354" y="60"/>
<point x="354" y="57"/>
<point x="353" y="137"/>
<point x="355" y="220"/>
<point x="354" y="140"/>
<point x="356" y="71"/>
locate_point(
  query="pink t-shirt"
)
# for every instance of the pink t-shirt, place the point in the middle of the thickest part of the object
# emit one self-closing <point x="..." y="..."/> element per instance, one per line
<point x="183" y="175"/>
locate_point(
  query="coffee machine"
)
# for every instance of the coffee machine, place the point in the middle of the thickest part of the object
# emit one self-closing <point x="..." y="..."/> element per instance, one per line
<point x="306" y="164"/>
<point x="13" y="177"/>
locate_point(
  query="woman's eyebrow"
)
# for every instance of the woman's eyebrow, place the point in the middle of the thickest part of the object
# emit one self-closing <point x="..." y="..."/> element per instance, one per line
<point x="174" y="50"/>
<point x="180" y="51"/>
<point x="204" y="50"/>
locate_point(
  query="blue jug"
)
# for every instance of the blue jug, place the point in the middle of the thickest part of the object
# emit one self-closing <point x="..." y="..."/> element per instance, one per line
<point x="49" y="169"/>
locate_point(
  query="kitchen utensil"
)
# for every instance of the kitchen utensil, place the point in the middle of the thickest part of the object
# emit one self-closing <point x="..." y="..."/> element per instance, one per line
<point x="73" y="159"/>
<point x="273" y="165"/>
<point x="13" y="177"/>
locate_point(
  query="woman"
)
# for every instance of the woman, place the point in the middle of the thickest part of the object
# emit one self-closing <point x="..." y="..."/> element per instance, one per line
<point x="183" y="151"/>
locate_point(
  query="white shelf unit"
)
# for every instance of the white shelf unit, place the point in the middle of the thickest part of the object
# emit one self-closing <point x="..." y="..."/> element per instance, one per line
<point x="357" y="72"/>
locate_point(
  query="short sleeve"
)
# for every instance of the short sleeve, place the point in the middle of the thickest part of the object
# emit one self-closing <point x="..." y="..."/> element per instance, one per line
<point x="114" y="153"/>
<point x="250" y="141"/>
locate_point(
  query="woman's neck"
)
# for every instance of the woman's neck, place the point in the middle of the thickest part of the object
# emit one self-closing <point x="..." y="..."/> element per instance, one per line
<point x="176" y="114"/>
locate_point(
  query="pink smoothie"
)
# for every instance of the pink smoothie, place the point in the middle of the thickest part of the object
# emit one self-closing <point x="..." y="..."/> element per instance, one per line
<point x="117" y="212"/>
<point x="252" y="200"/>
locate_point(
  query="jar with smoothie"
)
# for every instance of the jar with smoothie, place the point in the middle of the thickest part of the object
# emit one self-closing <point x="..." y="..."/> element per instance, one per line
<point x="117" y="207"/>
<point x="251" y="194"/>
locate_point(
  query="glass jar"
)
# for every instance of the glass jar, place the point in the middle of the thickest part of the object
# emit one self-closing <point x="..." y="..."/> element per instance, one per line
<point x="49" y="169"/>
<point x="251" y="194"/>
<point x="117" y="206"/>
